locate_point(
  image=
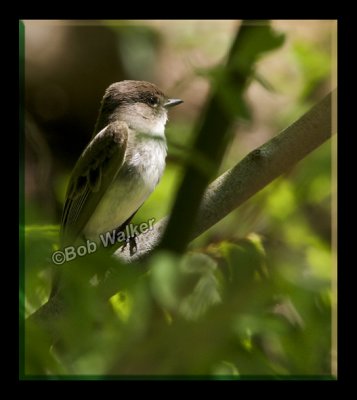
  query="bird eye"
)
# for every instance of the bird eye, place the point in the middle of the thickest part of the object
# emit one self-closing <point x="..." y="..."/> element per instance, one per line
<point x="153" y="101"/>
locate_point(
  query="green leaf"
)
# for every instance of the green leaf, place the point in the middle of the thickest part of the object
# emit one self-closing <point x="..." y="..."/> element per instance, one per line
<point x="206" y="292"/>
<point x="245" y="259"/>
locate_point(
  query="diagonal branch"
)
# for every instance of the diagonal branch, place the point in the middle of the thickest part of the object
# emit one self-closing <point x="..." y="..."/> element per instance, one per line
<point x="253" y="173"/>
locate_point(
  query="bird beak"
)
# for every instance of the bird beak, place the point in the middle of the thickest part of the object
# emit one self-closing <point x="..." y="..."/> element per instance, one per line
<point x="172" y="102"/>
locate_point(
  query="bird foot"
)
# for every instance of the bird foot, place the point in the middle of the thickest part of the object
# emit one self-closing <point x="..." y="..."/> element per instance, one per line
<point x="131" y="240"/>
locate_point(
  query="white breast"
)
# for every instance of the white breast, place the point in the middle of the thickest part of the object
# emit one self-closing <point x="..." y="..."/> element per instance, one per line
<point x="143" y="167"/>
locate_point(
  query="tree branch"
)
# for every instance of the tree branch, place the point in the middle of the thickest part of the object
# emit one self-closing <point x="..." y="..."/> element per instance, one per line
<point x="249" y="176"/>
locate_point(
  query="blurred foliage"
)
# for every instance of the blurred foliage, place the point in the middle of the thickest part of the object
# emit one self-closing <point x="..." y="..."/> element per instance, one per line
<point x="40" y="242"/>
<point x="238" y="305"/>
<point x="253" y="295"/>
<point x="137" y="46"/>
<point x="314" y="64"/>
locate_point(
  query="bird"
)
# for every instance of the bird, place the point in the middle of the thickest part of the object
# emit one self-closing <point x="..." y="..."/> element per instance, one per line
<point x="122" y="164"/>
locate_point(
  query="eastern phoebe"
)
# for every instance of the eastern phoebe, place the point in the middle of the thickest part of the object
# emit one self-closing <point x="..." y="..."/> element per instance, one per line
<point x="122" y="164"/>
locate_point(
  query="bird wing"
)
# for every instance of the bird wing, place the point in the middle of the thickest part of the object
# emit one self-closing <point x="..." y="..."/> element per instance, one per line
<point x="95" y="170"/>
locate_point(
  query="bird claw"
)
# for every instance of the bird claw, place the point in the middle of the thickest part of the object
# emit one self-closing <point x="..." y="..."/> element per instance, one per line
<point x="131" y="240"/>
